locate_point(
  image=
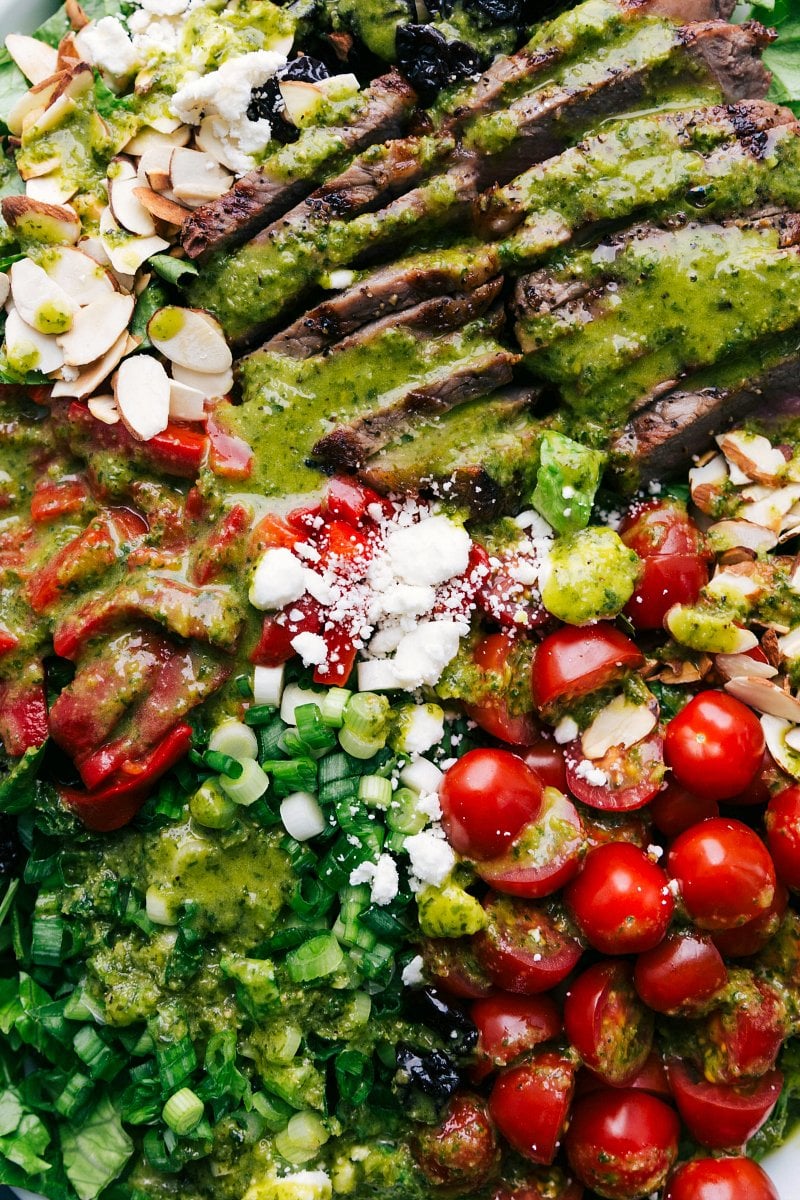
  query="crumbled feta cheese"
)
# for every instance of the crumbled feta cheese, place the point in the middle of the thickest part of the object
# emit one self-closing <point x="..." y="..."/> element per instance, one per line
<point x="432" y="858"/>
<point x="164" y="8"/>
<point x="423" y="727"/>
<point x="311" y="648"/>
<point x="382" y="876"/>
<point x="428" y="803"/>
<point x="279" y="579"/>
<point x="423" y="654"/>
<point x="412" y="973"/>
<point x="565" y="731"/>
<point x="591" y="773"/>
<point x="430" y="551"/>
<point x="106" y="45"/>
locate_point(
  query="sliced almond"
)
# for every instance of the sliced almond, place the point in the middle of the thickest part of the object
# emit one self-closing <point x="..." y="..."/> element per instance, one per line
<point x="185" y="403"/>
<point x="38" y="222"/>
<point x="35" y="100"/>
<point x="768" y="507"/>
<point x="5" y="287"/>
<point x="142" y="392"/>
<point x="79" y="275"/>
<point x="90" y="378"/>
<point x="76" y="16"/>
<point x="29" y="350"/>
<point x="301" y="99"/>
<point x="620" y="723"/>
<point x="153" y="167"/>
<point x="213" y="387"/>
<point x="35" y="59"/>
<point x="706" y="483"/>
<point x="72" y="87"/>
<point x="68" y="53"/>
<point x="783" y="743"/>
<point x="161" y="207"/>
<point x="738" y="587"/>
<point x="39" y="299"/>
<point x="196" y="178"/>
<point x="190" y="338"/>
<point x="165" y="124"/>
<point x="126" y="253"/>
<point x="708" y="631"/>
<point x="104" y="408"/>
<point x="150" y="139"/>
<point x="742" y="666"/>
<point x="96" y="328"/>
<point x="765" y="697"/>
<point x="725" y="535"/>
<point x="127" y="208"/>
<point x="210" y="142"/>
<point x="41" y="166"/>
<point x="52" y="189"/>
<point x="754" y="455"/>
<point x="789" y="644"/>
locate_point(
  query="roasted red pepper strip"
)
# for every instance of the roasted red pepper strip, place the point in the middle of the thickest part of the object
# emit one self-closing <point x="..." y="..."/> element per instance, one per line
<point x="350" y="500"/>
<point x="229" y="455"/>
<point x="52" y="500"/>
<point x="8" y="641"/>
<point x="341" y="657"/>
<point x="85" y="558"/>
<point x="114" y="805"/>
<point x="177" y="451"/>
<point x="275" y="645"/>
<point x="224" y="546"/>
<point x="23" y="715"/>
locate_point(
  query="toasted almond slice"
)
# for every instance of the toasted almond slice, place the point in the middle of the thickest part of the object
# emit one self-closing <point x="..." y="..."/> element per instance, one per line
<point x="35" y="99"/>
<point x="190" y="338"/>
<point x="754" y="455"/>
<point x="35" y="59"/>
<point x="50" y="189"/>
<point x="153" y="168"/>
<point x="43" y="166"/>
<point x="301" y="99"/>
<point x="783" y="743"/>
<point x="76" y="16"/>
<point x="213" y="387"/>
<point x="706" y="482"/>
<point x="166" y="124"/>
<point x="708" y="631"/>
<point x="68" y="53"/>
<point x="79" y="275"/>
<point x="209" y="141"/>
<point x="96" y="328"/>
<point x="736" y="585"/>
<point x="128" y="210"/>
<point x="40" y="301"/>
<point x="104" y="408"/>
<point x="196" y="178"/>
<point x="765" y="697"/>
<point x="5" y="287"/>
<point x="725" y="535"/>
<point x="162" y="208"/>
<point x="38" y="222"/>
<point x="742" y="666"/>
<point x="126" y="253"/>
<point x="150" y="139"/>
<point x="770" y="509"/>
<point x="789" y="644"/>
<point x="620" y="723"/>
<point x="185" y="403"/>
<point x="91" y="377"/>
<point x="29" y="350"/>
<point x="142" y="392"/>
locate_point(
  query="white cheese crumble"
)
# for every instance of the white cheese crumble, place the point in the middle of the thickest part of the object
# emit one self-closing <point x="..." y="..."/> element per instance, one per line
<point x="565" y="731"/>
<point x="382" y="876"/>
<point x="311" y="648"/>
<point x="279" y="579"/>
<point x="423" y="654"/>
<point x="412" y="975"/>
<point x="429" y="552"/>
<point x="106" y="44"/>
<point x="432" y="858"/>
<point x="591" y="773"/>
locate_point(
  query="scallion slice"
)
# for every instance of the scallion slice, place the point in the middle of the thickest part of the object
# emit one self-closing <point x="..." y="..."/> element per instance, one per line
<point x="332" y="706"/>
<point x="311" y="728"/>
<point x="366" y="715"/>
<point x="317" y="958"/>
<point x="183" y="1111"/>
<point x="235" y="739"/>
<point x="375" y="791"/>
<point x="248" y="786"/>
<point x="358" y="746"/>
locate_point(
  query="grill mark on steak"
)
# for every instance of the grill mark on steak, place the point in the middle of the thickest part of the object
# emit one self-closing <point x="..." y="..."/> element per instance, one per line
<point x="259" y="197"/>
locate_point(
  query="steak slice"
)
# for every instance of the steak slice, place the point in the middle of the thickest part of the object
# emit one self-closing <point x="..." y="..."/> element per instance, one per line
<point x="455" y="276"/>
<point x="482" y="454"/>
<point x="293" y="171"/>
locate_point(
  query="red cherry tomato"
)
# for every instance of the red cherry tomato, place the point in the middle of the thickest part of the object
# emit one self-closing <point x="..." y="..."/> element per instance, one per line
<point x="632" y="776"/>
<point x="681" y="976"/>
<point x="622" y="1142"/>
<point x="575" y="661"/>
<point x="741" y="1039"/>
<point x="651" y="1078"/>
<point x="600" y="828"/>
<point x="523" y="949"/>
<point x="761" y="787"/>
<point x="656" y="528"/>
<point x="499" y="656"/>
<point x="720" y="1179"/>
<point x="783" y="835"/>
<point x="545" y="1184"/>
<point x="546" y="759"/>
<point x="718" y="1115"/>
<point x="487" y="797"/>
<point x="453" y="965"/>
<point x="462" y="1151"/>
<point x="715" y="745"/>
<point x="751" y="938"/>
<point x="544" y="856"/>
<point x="510" y="1026"/>
<point x="620" y="900"/>
<point x="674" y="809"/>
<point x="666" y="579"/>
<point x="607" y="1023"/>
<point x="530" y="1103"/>
<point x="724" y="873"/>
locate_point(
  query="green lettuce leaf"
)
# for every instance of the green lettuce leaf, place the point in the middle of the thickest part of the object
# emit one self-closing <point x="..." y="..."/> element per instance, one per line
<point x="95" y="1153"/>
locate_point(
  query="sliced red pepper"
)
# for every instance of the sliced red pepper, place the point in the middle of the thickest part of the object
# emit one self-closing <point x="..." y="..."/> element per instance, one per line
<point x="8" y="641"/>
<point x="114" y="805"/>
<point x="275" y="645"/>
<point x="86" y="557"/>
<point x="339" y="539"/>
<point x="52" y="500"/>
<point x="270" y="533"/>
<point x="350" y="500"/>
<point x="224" y="546"/>
<point x="23" y="715"/>
<point x="229" y="455"/>
<point x="340" y="659"/>
<point x="176" y="451"/>
<point x="306" y="519"/>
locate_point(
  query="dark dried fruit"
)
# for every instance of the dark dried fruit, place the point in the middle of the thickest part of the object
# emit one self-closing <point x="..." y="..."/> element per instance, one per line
<point x="431" y="63"/>
<point x="500" y="12"/>
<point x="431" y="1008"/>
<point x="431" y="1071"/>
<point x="266" y="101"/>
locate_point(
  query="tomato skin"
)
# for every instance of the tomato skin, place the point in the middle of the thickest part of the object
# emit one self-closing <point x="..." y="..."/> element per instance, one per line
<point x="545" y="758"/>
<point x="657" y="528"/>
<point x="522" y="948"/>
<point x="487" y="797"/>
<point x="620" y="900"/>
<point x="574" y="661"/>
<point x="544" y="856"/>
<point x="600" y="828"/>
<point x="783" y="835"/>
<point x="675" y="809"/>
<point x="546" y="1185"/>
<point x="461" y="1152"/>
<point x="751" y="938"/>
<point x="453" y="965"/>
<point x="681" y="976"/>
<point x="622" y="1143"/>
<point x="530" y="1104"/>
<point x="720" y="1179"/>
<point x="509" y="1026"/>
<point x="651" y="1078"/>
<point x="759" y="790"/>
<point x="724" y="872"/>
<point x="718" y="1115"/>
<point x="666" y="579"/>
<point x="495" y="655"/>
<point x="607" y="1023"/>
<point x="741" y="1039"/>
<point x="634" y="776"/>
<point x="715" y="745"/>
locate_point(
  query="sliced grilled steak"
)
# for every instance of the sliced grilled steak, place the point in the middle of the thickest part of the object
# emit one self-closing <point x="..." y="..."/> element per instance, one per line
<point x="293" y="171"/>
<point x="482" y="454"/>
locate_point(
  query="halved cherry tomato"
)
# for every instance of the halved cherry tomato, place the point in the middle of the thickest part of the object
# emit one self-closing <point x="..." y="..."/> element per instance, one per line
<point x="681" y="975"/>
<point x="510" y="1026"/>
<point x="720" y="1179"/>
<point x="552" y="1184"/>
<point x="607" y="1023"/>
<point x="783" y="835"/>
<point x="574" y="661"/>
<point x="655" y="528"/>
<point x="620" y="900"/>
<point x="666" y="579"/>
<point x="531" y="1103"/>
<point x="58" y="498"/>
<point x="500" y="596"/>
<point x="545" y="758"/>
<point x="768" y="778"/>
<point x="674" y="809"/>
<point x="751" y="938"/>
<point x="8" y="641"/>
<point x="715" y="745"/>
<point x="523" y="948"/>
<point x="23" y="715"/>
<point x="487" y="797"/>
<point x="544" y="856"/>
<point x="651" y="1078"/>
<point x="601" y="828"/>
<point x="500" y="655"/>
<point x="453" y="965"/>
<point x="633" y="776"/>
<point x="718" y="1115"/>
<point x="741" y="1039"/>
<point x="622" y="1143"/>
<point x="462" y="1151"/>
<point x="724" y="873"/>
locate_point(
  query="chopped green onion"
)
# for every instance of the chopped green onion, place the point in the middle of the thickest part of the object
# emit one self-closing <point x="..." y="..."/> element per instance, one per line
<point x="293" y="745"/>
<point x="162" y="905"/>
<point x="302" y="816"/>
<point x="311" y="728"/>
<point x="275" y="1111"/>
<point x="82" y="1006"/>
<point x="373" y="962"/>
<point x="243" y="687"/>
<point x="260" y="714"/>
<point x="284" y="939"/>
<point x="269" y="737"/>
<point x="404" y="814"/>
<point x="385" y="926"/>
<point x="294" y="775"/>
<point x="76" y="1092"/>
<point x="359" y="747"/>
<point x="332" y="768"/>
<point x="47" y="940"/>
<point x="317" y="958"/>
<point x="332" y="706"/>
<point x="235" y="739"/>
<point x="176" y="1063"/>
<point x="248" y="786"/>
<point x="338" y="790"/>
<point x="302" y="1138"/>
<point x="301" y="858"/>
<point x="366" y="715"/>
<point x="268" y="685"/>
<point x="310" y="898"/>
<point x="354" y="900"/>
<point x="211" y="808"/>
<point x="375" y="791"/>
<point x="256" y="975"/>
<point x="101" y="1060"/>
<point x="215" y="760"/>
<point x="396" y="842"/>
<point x="354" y="1076"/>
<point x="183" y="1111"/>
<point x="293" y="697"/>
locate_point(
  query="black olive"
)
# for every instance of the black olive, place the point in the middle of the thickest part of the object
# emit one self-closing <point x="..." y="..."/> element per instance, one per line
<point x="305" y="68"/>
<point x="430" y="62"/>
<point x="455" y="1025"/>
<point x="432" y="1071"/>
<point x="498" y="12"/>
<point x="698" y="197"/>
<point x="266" y="101"/>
